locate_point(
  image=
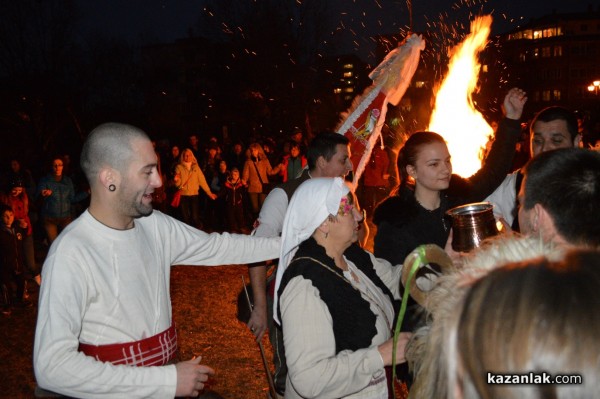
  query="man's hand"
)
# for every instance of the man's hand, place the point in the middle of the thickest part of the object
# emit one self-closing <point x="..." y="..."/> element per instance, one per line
<point x="191" y="376"/>
<point x="212" y="196"/>
<point x="514" y="102"/>
<point x="258" y="322"/>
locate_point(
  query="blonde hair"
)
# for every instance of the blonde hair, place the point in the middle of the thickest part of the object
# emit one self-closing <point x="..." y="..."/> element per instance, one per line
<point x="261" y="152"/>
<point x="182" y="156"/>
<point x="431" y="357"/>
<point x="533" y="316"/>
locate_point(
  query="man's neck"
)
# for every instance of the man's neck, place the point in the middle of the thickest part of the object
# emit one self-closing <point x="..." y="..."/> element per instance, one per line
<point x="108" y="218"/>
<point x="315" y="173"/>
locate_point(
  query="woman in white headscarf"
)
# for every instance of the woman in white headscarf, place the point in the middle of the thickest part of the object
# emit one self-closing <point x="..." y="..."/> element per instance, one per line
<point x="333" y="299"/>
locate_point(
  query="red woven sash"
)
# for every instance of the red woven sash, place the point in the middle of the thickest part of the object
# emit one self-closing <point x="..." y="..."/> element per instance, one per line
<point x="157" y="350"/>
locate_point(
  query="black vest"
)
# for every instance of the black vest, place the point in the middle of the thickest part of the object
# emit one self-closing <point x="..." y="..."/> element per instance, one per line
<point x="353" y="320"/>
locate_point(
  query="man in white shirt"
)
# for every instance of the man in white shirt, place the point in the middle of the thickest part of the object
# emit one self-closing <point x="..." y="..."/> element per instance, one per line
<point x="105" y="306"/>
<point x="551" y="128"/>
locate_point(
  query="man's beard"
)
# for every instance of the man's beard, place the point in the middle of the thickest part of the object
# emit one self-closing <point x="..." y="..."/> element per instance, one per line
<point x="136" y="209"/>
<point x="144" y="210"/>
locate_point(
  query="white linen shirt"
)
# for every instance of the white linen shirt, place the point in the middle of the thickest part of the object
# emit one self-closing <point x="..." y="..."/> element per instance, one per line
<point x="504" y="198"/>
<point x="105" y="286"/>
<point x="314" y="369"/>
<point x="272" y="214"/>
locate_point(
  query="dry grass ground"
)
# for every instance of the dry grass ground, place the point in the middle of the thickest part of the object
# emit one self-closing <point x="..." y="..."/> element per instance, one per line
<point x="204" y="308"/>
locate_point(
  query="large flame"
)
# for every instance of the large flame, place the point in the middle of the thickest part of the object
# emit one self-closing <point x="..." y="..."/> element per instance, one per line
<point x="454" y="115"/>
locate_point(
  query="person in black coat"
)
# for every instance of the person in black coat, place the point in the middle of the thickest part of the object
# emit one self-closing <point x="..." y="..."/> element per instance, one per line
<point x="12" y="261"/>
<point x="416" y="213"/>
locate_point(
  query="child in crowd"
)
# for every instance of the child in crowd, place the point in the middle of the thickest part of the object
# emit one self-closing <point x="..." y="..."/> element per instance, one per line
<point x="11" y="261"/>
<point x="216" y="217"/>
<point x="18" y="200"/>
<point x="233" y="192"/>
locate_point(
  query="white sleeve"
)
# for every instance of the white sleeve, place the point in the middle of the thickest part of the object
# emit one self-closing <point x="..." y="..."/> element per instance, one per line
<point x="186" y="245"/>
<point x="504" y="198"/>
<point x="272" y="214"/>
<point x="314" y="368"/>
<point x="389" y="275"/>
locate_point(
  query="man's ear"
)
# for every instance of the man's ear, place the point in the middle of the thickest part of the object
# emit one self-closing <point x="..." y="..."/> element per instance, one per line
<point x="108" y="176"/>
<point x="543" y="222"/>
<point x="321" y="162"/>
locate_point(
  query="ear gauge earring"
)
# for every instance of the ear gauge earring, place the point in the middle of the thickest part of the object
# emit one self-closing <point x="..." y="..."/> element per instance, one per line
<point x="112" y="187"/>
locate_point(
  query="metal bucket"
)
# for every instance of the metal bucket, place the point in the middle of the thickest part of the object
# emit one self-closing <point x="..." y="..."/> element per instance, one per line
<point x="471" y="224"/>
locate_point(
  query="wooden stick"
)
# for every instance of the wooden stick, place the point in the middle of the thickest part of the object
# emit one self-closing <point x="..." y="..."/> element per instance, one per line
<point x="272" y="390"/>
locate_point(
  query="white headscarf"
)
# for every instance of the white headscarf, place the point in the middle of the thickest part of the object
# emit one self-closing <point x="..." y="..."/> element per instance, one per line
<point x="310" y="206"/>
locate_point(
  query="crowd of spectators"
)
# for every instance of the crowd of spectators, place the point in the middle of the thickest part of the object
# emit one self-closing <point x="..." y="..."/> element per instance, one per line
<point x="46" y="195"/>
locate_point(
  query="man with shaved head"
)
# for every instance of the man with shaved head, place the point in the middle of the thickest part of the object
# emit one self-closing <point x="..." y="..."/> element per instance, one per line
<point x="105" y="308"/>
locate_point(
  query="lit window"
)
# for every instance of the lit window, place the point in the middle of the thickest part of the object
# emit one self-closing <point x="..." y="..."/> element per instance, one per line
<point x="419" y="84"/>
<point x="522" y="57"/>
<point x="549" y="32"/>
<point x="348" y="74"/>
<point x="546" y="52"/>
<point x="349" y="90"/>
<point x="558" y="51"/>
<point x="484" y="68"/>
<point x="537" y="34"/>
<point x="546" y="95"/>
<point x="556" y="95"/>
<point x="536" y="53"/>
<point x="348" y="66"/>
<point x="337" y="90"/>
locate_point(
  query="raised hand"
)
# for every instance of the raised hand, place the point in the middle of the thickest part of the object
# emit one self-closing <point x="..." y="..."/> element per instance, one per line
<point x="514" y="102"/>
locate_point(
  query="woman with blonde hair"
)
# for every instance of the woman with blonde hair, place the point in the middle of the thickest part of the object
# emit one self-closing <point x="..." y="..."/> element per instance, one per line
<point x="189" y="179"/>
<point x="335" y="301"/>
<point x="524" y="320"/>
<point x="255" y="174"/>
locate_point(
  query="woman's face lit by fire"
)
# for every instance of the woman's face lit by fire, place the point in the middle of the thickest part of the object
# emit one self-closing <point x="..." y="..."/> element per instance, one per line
<point x="433" y="168"/>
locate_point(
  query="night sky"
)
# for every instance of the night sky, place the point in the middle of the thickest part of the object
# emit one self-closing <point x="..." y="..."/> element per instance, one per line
<point x="146" y="21"/>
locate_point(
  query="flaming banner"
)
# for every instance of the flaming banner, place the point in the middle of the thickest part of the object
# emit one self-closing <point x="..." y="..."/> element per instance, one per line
<point x="363" y="121"/>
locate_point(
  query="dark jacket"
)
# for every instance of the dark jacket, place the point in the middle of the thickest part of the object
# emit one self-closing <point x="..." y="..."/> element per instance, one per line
<point x="12" y="258"/>
<point x="403" y="225"/>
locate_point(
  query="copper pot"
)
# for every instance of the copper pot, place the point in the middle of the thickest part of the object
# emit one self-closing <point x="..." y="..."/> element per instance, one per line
<point x="471" y="224"/>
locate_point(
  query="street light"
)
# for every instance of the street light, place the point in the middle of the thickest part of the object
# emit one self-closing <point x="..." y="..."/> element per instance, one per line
<point x="594" y="87"/>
